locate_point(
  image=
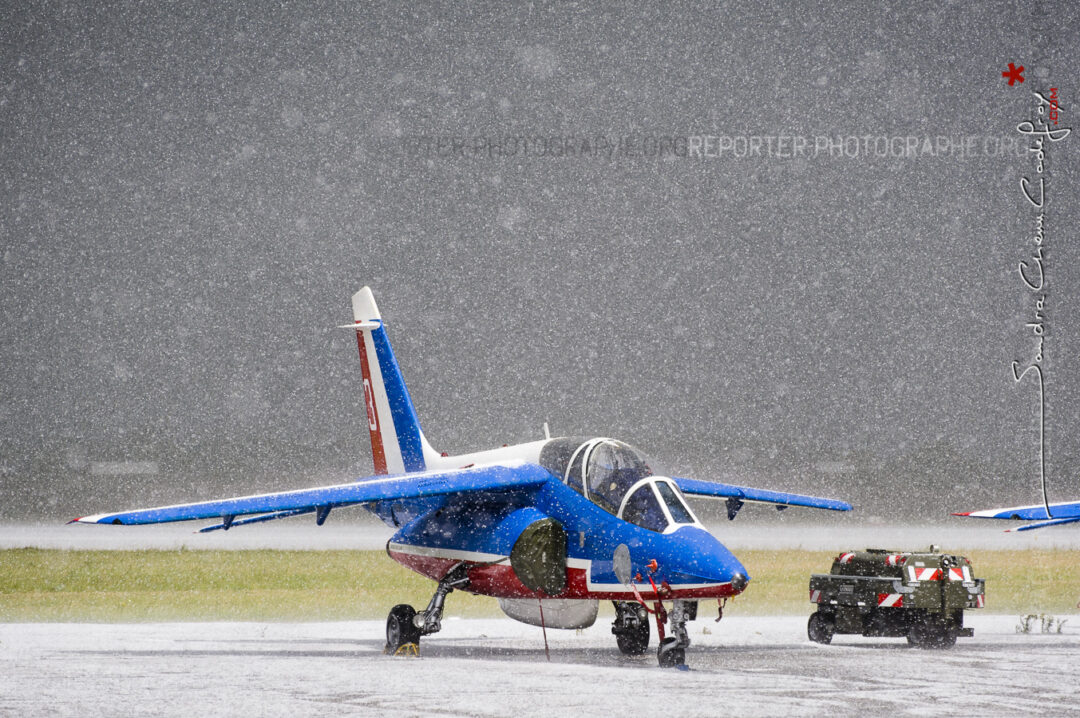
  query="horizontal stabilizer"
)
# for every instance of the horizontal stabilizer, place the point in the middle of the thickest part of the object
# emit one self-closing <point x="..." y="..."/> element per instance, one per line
<point x="716" y="490"/>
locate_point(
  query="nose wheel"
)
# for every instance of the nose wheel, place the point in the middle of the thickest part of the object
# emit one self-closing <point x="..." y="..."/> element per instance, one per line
<point x="672" y="650"/>
<point x="671" y="653"/>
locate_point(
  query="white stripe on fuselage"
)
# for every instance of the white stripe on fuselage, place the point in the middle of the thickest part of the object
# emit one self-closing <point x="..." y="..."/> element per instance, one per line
<point x="584" y="564"/>
<point x="642" y="587"/>
<point x="448" y="554"/>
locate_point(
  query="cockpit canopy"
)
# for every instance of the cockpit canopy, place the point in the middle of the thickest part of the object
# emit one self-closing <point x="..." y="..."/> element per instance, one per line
<point x="619" y="479"/>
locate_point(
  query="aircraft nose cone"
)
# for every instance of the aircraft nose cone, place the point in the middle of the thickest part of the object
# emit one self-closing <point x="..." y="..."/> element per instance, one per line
<point x="698" y="557"/>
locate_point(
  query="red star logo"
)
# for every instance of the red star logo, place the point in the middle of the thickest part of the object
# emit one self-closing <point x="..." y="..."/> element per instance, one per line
<point x="1014" y="74"/>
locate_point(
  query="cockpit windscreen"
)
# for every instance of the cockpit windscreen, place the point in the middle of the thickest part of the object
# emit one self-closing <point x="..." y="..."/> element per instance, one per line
<point x="612" y="469"/>
<point x="606" y="471"/>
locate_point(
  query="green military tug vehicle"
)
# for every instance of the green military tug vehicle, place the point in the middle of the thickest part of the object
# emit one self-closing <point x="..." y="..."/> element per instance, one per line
<point x="892" y="593"/>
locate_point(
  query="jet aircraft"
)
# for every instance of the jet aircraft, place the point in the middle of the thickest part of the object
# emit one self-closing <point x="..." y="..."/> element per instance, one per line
<point x="550" y="528"/>
<point x="1038" y="515"/>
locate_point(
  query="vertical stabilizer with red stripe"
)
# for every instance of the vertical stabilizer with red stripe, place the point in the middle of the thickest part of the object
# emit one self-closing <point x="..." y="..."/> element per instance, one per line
<point x="397" y="442"/>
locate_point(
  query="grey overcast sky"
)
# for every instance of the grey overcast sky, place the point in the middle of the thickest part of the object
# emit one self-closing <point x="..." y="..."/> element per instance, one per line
<point x="745" y="237"/>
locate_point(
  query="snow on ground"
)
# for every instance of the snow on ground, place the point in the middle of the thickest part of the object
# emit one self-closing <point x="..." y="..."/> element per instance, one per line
<point x="736" y="535"/>
<point x="745" y="666"/>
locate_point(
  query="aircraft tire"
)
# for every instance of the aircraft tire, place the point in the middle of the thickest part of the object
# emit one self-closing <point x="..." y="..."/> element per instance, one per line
<point x="400" y="629"/>
<point x="634" y="640"/>
<point x="820" y="628"/>
<point x="670" y="654"/>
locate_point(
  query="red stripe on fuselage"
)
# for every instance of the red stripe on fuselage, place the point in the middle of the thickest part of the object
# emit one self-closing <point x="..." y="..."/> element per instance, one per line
<point x="500" y="581"/>
<point x="378" y="456"/>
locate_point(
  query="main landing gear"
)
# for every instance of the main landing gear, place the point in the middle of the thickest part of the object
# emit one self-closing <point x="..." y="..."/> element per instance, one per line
<point x="404" y="625"/>
<point x="631" y="629"/>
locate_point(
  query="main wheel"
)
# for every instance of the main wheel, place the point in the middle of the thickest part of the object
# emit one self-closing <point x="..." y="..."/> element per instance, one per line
<point x="633" y="640"/>
<point x="400" y="628"/>
<point x="820" y="628"/>
<point x="670" y="653"/>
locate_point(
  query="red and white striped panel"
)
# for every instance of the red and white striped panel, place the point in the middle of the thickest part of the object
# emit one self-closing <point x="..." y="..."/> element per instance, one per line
<point x="894" y="559"/>
<point x="916" y="573"/>
<point x="960" y="573"/>
<point x="815" y="596"/>
<point x="980" y="601"/>
<point x="845" y="557"/>
<point x="890" y="600"/>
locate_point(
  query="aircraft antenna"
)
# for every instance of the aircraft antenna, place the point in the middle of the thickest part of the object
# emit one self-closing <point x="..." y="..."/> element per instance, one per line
<point x="547" y="432"/>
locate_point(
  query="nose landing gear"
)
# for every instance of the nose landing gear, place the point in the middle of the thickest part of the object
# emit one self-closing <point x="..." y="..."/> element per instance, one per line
<point x="672" y="650"/>
<point x="402" y="635"/>
<point x="631" y="629"/>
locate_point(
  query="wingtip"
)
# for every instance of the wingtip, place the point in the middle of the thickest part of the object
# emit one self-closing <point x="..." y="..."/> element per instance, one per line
<point x="961" y="513"/>
<point x="95" y="519"/>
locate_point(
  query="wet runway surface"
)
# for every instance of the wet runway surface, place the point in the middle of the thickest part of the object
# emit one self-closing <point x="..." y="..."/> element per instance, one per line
<point x="747" y="666"/>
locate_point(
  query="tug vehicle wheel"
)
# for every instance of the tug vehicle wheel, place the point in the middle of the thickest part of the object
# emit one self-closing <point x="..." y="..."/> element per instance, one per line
<point x="633" y="640"/>
<point x="671" y="653"/>
<point x="820" y="628"/>
<point x="400" y="628"/>
<point x="931" y="632"/>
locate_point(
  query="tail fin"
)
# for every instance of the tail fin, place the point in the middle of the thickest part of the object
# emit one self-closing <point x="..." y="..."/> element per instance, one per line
<point x="397" y="442"/>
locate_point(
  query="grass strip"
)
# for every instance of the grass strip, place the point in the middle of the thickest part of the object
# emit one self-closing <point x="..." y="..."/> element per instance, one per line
<point x="269" y="585"/>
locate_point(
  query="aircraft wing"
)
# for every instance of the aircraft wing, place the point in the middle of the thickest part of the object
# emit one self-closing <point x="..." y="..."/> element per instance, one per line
<point x="1061" y="513"/>
<point x="716" y="490"/>
<point x="494" y="477"/>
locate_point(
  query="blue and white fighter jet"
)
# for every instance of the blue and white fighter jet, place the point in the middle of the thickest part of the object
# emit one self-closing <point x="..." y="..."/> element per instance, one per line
<point x="549" y="527"/>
